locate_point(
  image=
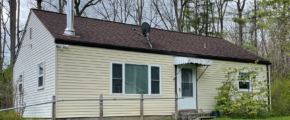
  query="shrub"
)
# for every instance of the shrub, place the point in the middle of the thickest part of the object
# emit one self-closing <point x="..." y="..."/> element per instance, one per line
<point x="249" y="104"/>
<point x="280" y="97"/>
<point x="10" y="115"/>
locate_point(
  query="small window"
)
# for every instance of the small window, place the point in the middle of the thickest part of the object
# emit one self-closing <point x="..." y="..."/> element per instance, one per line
<point x="244" y="83"/>
<point x="20" y="83"/>
<point x="40" y="79"/>
<point x="30" y="33"/>
<point x="117" y="78"/>
<point x="155" y="80"/>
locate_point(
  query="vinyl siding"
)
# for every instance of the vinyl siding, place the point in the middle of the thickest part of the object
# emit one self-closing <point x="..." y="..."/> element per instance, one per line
<point x="212" y="78"/>
<point x="42" y="50"/>
<point x="84" y="73"/>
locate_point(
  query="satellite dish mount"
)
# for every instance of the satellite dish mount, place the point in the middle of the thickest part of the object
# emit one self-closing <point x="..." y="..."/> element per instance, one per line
<point x="145" y="28"/>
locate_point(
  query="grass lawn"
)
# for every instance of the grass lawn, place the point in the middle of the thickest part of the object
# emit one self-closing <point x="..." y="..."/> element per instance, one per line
<point x="274" y="118"/>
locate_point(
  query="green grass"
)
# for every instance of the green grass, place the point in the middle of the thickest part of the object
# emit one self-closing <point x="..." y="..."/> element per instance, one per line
<point x="273" y="118"/>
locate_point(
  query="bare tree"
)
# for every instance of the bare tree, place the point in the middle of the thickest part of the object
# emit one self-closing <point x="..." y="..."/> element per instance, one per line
<point x="222" y="7"/>
<point x="165" y="12"/>
<point x="39" y="4"/>
<point x="18" y="19"/>
<point x="61" y="4"/>
<point x="139" y="11"/>
<point x="240" y="8"/>
<point x="12" y="29"/>
<point x="1" y="55"/>
<point x="179" y="12"/>
<point x="80" y="11"/>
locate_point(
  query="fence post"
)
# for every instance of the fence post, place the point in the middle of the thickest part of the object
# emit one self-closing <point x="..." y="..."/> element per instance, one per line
<point x="176" y="106"/>
<point x="141" y="107"/>
<point x="53" y="108"/>
<point x="101" y="106"/>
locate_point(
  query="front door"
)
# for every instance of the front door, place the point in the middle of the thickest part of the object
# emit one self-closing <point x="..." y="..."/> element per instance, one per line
<point x="186" y="87"/>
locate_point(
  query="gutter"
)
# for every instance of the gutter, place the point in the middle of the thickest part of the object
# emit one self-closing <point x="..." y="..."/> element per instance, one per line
<point x="108" y="46"/>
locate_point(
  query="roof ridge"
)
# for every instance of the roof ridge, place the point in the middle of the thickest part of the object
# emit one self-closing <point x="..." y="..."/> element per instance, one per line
<point x="127" y="24"/>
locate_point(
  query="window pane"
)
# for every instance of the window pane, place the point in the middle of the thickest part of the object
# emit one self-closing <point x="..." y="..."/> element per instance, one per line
<point x="20" y="87"/>
<point x="187" y="90"/>
<point x="40" y="81"/>
<point x="155" y="87"/>
<point x="20" y="78"/>
<point x="244" y="86"/>
<point x="117" y="70"/>
<point x="155" y="73"/>
<point x="40" y="70"/>
<point x="186" y="75"/>
<point x="136" y="79"/>
<point x="243" y="76"/>
<point x="186" y="84"/>
<point x="117" y="85"/>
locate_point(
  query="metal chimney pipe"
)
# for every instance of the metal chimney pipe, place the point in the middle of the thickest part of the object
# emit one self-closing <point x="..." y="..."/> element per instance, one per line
<point x="70" y="18"/>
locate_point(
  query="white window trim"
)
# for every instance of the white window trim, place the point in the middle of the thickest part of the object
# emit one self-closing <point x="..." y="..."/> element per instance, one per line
<point x="43" y="75"/>
<point x="22" y="73"/>
<point x="244" y="81"/>
<point x="123" y="78"/>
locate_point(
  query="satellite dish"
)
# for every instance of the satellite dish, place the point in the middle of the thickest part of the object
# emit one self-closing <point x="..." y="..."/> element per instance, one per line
<point x="145" y="27"/>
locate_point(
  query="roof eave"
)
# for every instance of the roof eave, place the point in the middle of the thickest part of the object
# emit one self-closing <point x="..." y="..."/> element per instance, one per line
<point x="108" y="46"/>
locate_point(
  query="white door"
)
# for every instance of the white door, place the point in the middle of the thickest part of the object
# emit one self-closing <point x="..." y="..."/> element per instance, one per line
<point x="186" y="87"/>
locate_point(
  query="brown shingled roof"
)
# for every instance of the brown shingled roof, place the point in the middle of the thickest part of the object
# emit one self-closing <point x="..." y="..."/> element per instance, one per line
<point x="101" y="33"/>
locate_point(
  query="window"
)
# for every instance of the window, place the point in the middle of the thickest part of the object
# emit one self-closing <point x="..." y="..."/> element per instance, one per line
<point x="30" y="33"/>
<point x="20" y="83"/>
<point x="117" y="78"/>
<point x="244" y="83"/>
<point x="155" y="80"/>
<point x="135" y="79"/>
<point x="40" y="78"/>
<point x="186" y="84"/>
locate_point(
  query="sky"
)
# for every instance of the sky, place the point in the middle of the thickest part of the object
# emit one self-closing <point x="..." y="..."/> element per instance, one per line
<point x="25" y="6"/>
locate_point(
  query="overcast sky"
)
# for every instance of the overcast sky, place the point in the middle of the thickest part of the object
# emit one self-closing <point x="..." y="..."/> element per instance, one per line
<point x="26" y="5"/>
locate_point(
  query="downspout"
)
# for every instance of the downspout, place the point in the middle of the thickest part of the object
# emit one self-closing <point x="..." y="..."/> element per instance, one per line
<point x="175" y="68"/>
<point x="268" y="82"/>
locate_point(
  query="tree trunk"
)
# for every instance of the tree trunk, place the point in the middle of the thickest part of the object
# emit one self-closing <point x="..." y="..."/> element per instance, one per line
<point x="1" y="55"/>
<point x="255" y="24"/>
<point x="60" y="6"/>
<point x="206" y="23"/>
<point x="196" y="17"/>
<point x="240" y="41"/>
<point x="18" y="18"/>
<point x="176" y="15"/>
<point x="12" y="33"/>
<point x="39" y="4"/>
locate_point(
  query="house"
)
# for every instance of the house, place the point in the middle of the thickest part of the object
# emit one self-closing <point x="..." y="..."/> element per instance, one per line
<point x="107" y="58"/>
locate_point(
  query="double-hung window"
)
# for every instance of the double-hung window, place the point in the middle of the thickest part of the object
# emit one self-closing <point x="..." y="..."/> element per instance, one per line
<point x="135" y="79"/>
<point x="40" y="76"/>
<point x="20" y="83"/>
<point x="244" y="82"/>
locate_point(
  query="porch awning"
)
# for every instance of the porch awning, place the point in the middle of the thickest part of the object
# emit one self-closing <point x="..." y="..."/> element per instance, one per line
<point x="186" y="60"/>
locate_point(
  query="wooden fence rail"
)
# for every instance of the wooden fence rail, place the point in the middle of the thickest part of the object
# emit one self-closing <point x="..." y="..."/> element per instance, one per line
<point x="101" y="105"/>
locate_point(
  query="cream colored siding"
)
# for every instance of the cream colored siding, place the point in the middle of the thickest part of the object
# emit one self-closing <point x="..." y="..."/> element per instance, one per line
<point x="212" y="79"/>
<point x="84" y="73"/>
<point x="42" y="49"/>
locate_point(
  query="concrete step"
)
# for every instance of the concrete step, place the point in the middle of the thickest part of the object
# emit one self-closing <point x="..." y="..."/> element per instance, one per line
<point x="194" y="116"/>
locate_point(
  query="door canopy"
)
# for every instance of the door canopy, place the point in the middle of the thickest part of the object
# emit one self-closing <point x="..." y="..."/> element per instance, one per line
<point x="186" y="60"/>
